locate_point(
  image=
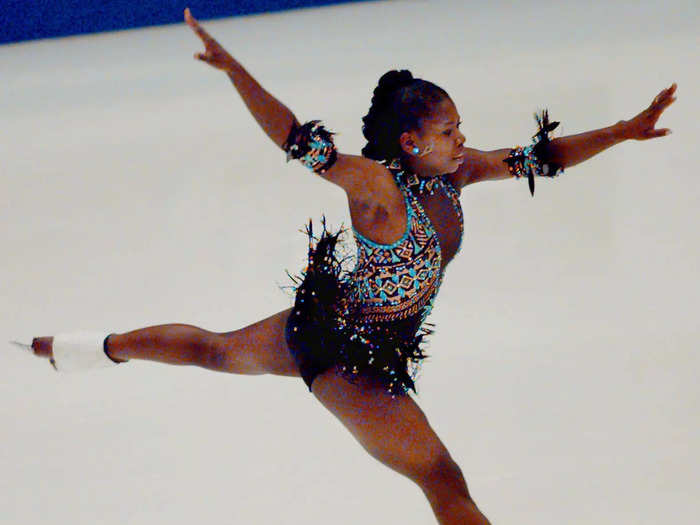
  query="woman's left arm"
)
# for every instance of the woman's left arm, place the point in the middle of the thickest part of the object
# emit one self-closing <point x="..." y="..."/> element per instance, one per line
<point x="572" y="149"/>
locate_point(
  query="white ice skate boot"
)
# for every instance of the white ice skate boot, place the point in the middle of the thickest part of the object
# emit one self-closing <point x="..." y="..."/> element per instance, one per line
<point x="78" y="351"/>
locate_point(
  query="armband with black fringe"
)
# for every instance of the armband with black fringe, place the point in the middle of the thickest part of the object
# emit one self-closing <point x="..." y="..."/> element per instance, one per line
<point x="312" y="144"/>
<point x="532" y="160"/>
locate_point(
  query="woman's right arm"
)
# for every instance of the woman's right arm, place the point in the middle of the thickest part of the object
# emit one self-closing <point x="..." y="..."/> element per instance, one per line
<point x="274" y="117"/>
<point x="355" y="174"/>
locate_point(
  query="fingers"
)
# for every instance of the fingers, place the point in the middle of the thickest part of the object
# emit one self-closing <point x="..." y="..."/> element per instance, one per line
<point x="655" y="133"/>
<point x="665" y="98"/>
<point x="201" y="33"/>
<point x="203" y="57"/>
<point x="668" y="92"/>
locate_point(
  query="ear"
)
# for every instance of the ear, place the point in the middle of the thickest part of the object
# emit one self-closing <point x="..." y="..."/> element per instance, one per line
<point x="407" y="142"/>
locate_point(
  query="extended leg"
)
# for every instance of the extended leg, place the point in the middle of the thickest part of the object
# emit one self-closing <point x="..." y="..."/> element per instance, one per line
<point x="397" y="433"/>
<point x="175" y="344"/>
<point x="259" y="348"/>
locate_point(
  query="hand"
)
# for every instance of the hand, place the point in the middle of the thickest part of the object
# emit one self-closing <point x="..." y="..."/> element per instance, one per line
<point x="214" y="55"/>
<point x="641" y="127"/>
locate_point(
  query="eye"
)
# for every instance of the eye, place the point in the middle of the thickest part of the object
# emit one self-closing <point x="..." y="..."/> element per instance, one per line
<point x="449" y="131"/>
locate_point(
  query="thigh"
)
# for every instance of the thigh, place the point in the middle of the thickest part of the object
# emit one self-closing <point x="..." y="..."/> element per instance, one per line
<point x="259" y="348"/>
<point x="394" y="431"/>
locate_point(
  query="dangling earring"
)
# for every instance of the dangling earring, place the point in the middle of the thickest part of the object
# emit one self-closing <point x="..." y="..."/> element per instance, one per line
<point x="427" y="150"/>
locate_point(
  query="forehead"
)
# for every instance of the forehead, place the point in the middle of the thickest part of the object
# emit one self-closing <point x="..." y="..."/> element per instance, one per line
<point x="444" y="114"/>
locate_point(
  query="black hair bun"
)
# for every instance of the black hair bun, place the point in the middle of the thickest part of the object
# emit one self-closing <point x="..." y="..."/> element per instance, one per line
<point x="400" y="103"/>
<point x="390" y="82"/>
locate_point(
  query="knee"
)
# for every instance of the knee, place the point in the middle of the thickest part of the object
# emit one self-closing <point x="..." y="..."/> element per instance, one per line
<point x="235" y="353"/>
<point x="213" y="352"/>
<point x="442" y="474"/>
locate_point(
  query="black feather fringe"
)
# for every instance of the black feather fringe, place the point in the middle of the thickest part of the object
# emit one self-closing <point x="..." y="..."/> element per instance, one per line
<point x="302" y="140"/>
<point x="542" y="167"/>
<point x="541" y="149"/>
<point x="326" y="328"/>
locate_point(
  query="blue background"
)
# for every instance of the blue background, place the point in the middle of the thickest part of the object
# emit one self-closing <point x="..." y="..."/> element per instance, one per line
<point x="32" y="19"/>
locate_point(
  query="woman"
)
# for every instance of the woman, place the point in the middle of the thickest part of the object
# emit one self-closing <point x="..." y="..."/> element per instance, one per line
<point x="354" y="338"/>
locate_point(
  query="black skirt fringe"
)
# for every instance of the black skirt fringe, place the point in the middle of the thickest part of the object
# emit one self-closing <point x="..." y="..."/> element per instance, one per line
<point x="325" y="328"/>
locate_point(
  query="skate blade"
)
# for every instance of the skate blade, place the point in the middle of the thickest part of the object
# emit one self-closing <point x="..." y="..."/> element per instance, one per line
<point x="23" y="345"/>
<point x="29" y="347"/>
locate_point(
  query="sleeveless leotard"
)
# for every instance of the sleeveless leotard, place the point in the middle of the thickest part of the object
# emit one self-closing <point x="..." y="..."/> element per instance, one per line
<point x="401" y="280"/>
<point x="369" y="321"/>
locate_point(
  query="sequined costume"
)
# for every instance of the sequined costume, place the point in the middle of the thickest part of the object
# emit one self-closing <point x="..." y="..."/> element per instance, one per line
<point x="400" y="280"/>
<point x="370" y="321"/>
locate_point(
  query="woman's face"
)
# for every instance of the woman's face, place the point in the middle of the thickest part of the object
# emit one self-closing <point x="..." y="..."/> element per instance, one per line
<point x="441" y="133"/>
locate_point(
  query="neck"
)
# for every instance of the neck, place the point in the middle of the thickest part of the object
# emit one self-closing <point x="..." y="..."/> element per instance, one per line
<point x="415" y="165"/>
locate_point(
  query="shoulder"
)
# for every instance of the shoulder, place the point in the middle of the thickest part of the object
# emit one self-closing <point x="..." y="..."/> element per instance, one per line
<point x="376" y="203"/>
<point x="351" y="171"/>
<point x="479" y="166"/>
<point x="362" y="179"/>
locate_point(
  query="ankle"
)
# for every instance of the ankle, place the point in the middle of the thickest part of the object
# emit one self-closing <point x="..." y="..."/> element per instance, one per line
<point x="112" y="349"/>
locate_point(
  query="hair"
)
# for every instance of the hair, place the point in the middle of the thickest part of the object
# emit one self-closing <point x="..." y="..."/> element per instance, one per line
<point x="400" y="103"/>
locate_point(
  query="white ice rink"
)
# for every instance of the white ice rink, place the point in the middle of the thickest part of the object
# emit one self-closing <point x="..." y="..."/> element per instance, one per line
<point x="136" y="189"/>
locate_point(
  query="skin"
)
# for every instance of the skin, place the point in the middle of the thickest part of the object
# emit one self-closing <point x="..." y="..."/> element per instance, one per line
<point x="393" y="430"/>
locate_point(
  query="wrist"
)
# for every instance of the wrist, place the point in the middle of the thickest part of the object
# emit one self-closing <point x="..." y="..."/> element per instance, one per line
<point x="231" y="67"/>
<point x="620" y="130"/>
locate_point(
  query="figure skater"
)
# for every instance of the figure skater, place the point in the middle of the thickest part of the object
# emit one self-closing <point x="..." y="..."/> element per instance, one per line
<point x="354" y="336"/>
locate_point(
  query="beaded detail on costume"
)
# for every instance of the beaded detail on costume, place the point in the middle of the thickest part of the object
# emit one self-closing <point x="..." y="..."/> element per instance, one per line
<point x="311" y="144"/>
<point x="398" y="280"/>
<point x="326" y="328"/>
<point x="533" y="160"/>
<point x="370" y="321"/>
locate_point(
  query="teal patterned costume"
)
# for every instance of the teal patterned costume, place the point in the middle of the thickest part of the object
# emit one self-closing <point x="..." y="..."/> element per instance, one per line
<point x="401" y="280"/>
<point x="370" y="321"/>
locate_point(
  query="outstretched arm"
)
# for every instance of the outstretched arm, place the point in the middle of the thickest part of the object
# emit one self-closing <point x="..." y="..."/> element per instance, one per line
<point x="273" y="116"/>
<point x="356" y="175"/>
<point x="572" y="149"/>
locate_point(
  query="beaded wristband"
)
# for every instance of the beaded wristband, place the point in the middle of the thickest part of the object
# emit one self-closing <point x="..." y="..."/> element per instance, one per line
<point x="532" y="160"/>
<point x="313" y="145"/>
